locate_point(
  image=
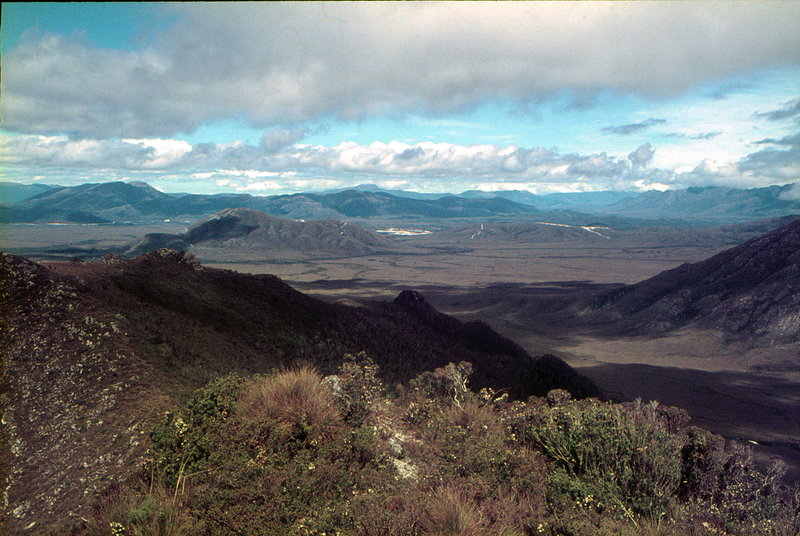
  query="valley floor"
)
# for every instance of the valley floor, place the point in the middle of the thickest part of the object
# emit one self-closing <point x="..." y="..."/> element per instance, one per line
<point x="749" y="395"/>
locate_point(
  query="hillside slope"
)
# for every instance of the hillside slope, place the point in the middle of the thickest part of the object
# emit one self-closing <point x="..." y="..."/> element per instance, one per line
<point x="91" y="203"/>
<point x="249" y="234"/>
<point x="750" y="292"/>
<point x="14" y="192"/>
<point x="95" y="352"/>
<point x="600" y="233"/>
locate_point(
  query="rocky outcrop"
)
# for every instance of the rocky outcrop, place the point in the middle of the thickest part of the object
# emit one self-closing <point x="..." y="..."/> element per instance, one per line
<point x="78" y="399"/>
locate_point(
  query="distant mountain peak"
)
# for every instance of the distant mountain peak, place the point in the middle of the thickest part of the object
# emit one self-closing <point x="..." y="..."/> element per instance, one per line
<point x="142" y="184"/>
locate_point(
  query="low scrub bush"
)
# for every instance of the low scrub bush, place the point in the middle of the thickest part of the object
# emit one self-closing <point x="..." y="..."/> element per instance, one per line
<point x="262" y="481"/>
<point x="142" y="510"/>
<point x="181" y="442"/>
<point x="359" y="387"/>
<point x="617" y="458"/>
<point x="293" y="454"/>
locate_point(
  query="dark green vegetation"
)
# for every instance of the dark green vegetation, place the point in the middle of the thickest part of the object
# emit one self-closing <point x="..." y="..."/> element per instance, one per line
<point x="293" y="453"/>
<point x="94" y="352"/>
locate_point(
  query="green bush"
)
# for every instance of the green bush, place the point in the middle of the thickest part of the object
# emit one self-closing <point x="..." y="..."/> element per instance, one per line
<point x="265" y="482"/>
<point x="360" y="387"/>
<point x="142" y="510"/>
<point x="617" y="458"/>
<point x="181" y="441"/>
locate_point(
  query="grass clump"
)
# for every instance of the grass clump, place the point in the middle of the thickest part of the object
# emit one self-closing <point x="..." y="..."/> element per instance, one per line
<point x="452" y="513"/>
<point x="296" y="397"/>
<point x="142" y="510"/>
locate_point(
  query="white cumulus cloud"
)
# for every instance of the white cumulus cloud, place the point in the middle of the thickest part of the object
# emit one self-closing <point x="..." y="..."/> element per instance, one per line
<point x="423" y="166"/>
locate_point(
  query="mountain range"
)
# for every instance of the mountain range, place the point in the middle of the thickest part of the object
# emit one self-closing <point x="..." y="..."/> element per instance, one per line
<point x="138" y="202"/>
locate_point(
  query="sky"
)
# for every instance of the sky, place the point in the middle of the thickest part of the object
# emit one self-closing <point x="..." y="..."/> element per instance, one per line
<point x="279" y="97"/>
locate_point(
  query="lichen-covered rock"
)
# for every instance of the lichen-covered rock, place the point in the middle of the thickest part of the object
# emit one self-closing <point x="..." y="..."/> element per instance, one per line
<point x="77" y="405"/>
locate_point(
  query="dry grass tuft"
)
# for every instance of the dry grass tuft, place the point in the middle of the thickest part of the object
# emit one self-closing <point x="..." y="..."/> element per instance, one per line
<point x="296" y="396"/>
<point x="140" y="510"/>
<point x="472" y="415"/>
<point x="450" y="512"/>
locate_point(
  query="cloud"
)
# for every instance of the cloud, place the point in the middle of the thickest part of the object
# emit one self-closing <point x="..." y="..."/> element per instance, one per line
<point x="783" y="163"/>
<point x="424" y="166"/>
<point x="260" y="186"/>
<point x="792" y="193"/>
<point x="793" y="140"/>
<point x="727" y="89"/>
<point x="632" y="128"/>
<point x="393" y="184"/>
<point x="62" y="151"/>
<point x="761" y="168"/>
<point x="285" y="63"/>
<point x="642" y="156"/>
<point x="394" y="161"/>
<point x="410" y="154"/>
<point x="281" y="138"/>
<point x="789" y="110"/>
<point x="699" y="136"/>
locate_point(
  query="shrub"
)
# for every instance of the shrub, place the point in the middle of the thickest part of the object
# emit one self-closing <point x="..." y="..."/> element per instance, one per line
<point x="360" y="387"/>
<point x="747" y="498"/>
<point x="450" y="382"/>
<point x="181" y="441"/>
<point x="702" y="460"/>
<point x="264" y="482"/>
<point x="618" y="458"/>
<point x="275" y="456"/>
<point x="395" y="510"/>
<point x="467" y="453"/>
<point x="140" y="510"/>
